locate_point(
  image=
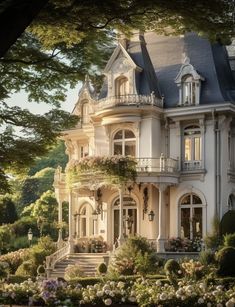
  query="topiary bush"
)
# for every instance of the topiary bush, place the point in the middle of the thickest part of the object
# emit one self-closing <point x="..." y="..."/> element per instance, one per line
<point x="45" y="247"/>
<point x="172" y="267"/>
<point x="227" y="224"/>
<point x="15" y="259"/>
<point x="135" y="255"/>
<point x="73" y="271"/>
<point x="229" y="240"/>
<point x="27" y="268"/>
<point x="225" y="258"/>
<point x="102" y="268"/>
<point x="4" y="270"/>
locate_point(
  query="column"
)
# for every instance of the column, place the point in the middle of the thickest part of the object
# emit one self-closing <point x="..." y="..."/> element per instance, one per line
<point x="60" y="220"/>
<point x="70" y="239"/>
<point x="162" y="219"/>
<point x="121" y="236"/>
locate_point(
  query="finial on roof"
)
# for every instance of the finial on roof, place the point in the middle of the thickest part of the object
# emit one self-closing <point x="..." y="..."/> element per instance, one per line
<point x="186" y="59"/>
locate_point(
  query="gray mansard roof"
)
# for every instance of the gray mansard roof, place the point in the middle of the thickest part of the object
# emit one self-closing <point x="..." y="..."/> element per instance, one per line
<point x="165" y="54"/>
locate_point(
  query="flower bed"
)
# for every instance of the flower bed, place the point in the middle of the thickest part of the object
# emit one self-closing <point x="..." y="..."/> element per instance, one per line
<point x="142" y="292"/>
<point x="114" y="169"/>
<point x="184" y="245"/>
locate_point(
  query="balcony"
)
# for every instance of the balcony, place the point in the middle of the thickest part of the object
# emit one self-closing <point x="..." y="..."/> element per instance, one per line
<point x="157" y="165"/>
<point x="192" y="165"/>
<point x="128" y="100"/>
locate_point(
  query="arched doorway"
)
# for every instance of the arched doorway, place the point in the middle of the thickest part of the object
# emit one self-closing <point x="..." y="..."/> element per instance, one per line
<point x="191" y="216"/>
<point x="86" y="221"/>
<point x="129" y="217"/>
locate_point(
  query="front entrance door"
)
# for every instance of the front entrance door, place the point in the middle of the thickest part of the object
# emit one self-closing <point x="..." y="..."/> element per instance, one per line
<point x="129" y="217"/>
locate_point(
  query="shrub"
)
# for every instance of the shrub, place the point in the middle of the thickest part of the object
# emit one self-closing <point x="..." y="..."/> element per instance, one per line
<point x="21" y="227"/>
<point x="207" y="257"/>
<point x="4" y="270"/>
<point x="213" y="240"/>
<point x="172" y="267"/>
<point x="225" y="258"/>
<point x="15" y="259"/>
<point x="229" y="240"/>
<point x="73" y="271"/>
<point x="45" y="247"/>
<point x="227" y="224"/>
<point x="27" y="268"/>
<point x="102" y="268"/>
<point x="17" y="279"/>
<point x="134" y="255"/>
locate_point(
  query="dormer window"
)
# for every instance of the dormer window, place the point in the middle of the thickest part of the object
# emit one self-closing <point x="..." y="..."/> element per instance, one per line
<point x="188" y="90"/>
<point x="121" y="86"/>
<point x="189" y="83"/>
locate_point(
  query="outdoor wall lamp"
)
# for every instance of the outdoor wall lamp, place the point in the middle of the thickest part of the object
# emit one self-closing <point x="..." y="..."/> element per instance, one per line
<point x="151" y="216"/>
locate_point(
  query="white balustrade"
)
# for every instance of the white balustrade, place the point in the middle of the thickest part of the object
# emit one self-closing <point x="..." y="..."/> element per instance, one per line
<point x="158" y="165"/>
<point x="56" y="256"/>
<point x="136" y="100"/>
<point x="192" y="165"/>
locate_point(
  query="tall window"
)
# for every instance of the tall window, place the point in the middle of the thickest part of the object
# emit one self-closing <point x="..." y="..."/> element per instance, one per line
<point x="124" y="143"/>
<point x="85" y="113"/>
<point x="86" y="221"/>
<point x="121" y="86"/>
<point x="192" y="147"/>
<point x="189" y="90"/>
<point x="191" y="216"/>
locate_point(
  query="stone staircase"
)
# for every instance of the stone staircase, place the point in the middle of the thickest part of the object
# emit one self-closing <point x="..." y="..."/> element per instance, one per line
<point x="87" y="261"/>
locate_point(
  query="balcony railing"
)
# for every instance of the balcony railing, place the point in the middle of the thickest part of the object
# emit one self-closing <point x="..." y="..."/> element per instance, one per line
<point x="158" y="165"/>
<point x="128" y="100"/>
<point x="192" y="165"/>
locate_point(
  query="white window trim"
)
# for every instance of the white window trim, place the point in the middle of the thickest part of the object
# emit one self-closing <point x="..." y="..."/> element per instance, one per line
<point x="123" y="140"/>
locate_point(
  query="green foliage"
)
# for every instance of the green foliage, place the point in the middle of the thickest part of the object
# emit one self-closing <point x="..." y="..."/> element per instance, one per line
<point x="18" y="279"/>
<point x="225" y="258"/>
<point x="45" y="247"/>
<point x="15" y="259"/>
<point x="8" y="210"/>
<point x="229" y="240"/>
<point x="213" y="240"/>
<point x="27" y="268"/>
<point x="56" y="156"/>
<point x="5" y="237"/>
<point x="73" y="271"/>
<point x="102" y="268"/>
<point x="134" y="255"/>
<point x="21" y="227"/>
<point x="4" y="270"/>
<point x="227" y="224"/>
<point x="33" y="187"/>
<point x="172" y="267"/>
<point x="207" y="257"/>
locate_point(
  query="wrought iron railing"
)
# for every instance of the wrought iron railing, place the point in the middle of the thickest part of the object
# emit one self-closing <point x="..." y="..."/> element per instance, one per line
<point x="128" y="100"/>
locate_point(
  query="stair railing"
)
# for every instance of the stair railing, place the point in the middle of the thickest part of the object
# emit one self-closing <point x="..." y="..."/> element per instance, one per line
<point x="53" y="258"/>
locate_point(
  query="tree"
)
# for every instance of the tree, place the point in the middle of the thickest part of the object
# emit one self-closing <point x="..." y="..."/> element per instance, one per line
<point x="8" y="210"/>
<point x="68" y="39"/>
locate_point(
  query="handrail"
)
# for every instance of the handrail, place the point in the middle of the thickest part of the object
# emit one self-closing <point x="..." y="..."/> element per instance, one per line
<point x="128" y="100"/>
<point x="159" y="165"/>
<point x="56" y="256"/>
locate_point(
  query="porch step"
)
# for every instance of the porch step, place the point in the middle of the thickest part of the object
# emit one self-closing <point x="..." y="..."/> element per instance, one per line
<point x="87" y="261"/>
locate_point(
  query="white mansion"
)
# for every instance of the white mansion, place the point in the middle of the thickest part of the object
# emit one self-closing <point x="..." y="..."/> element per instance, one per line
<point x="169" y="102"/>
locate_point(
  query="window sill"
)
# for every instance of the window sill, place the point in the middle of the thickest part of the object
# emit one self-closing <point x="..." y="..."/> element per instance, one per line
<point x="192" y="174"/>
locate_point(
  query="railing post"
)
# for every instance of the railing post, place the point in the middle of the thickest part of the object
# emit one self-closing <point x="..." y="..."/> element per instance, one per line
<point x="162" y="163"/>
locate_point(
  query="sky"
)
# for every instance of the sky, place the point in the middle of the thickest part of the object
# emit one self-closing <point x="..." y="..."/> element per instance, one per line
<point x="20" y="100"/>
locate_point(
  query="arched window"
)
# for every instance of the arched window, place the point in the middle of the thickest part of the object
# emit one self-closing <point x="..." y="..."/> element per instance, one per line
<point x="191" y="216"/>
<point x="86" y="221"/>
<point x="85" y="113"/>
<point x="124" y="143"/>
<point x="192" y="147"/>
<point x="129" y="217"/>
<point x="121" y="86"/>
<point x="189" y="90"/>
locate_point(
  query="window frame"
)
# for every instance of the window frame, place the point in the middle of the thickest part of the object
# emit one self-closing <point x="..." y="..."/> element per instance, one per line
<point x="123" y="141"/>
<point x="191" y="134"/>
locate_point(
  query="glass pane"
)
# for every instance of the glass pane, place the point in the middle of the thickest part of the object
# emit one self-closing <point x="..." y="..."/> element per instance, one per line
<point x="196" y="200"/>
<point x="187" y="149"/>
<point x="129" y="134"/>
<point x="197" y="148"/>
<point x="197" y="222"/>
<point x="118" y="135"/>
<point x="117" y="148"/>
<point x="186" y="200"/>
<point x="130" y="148"/>
<point x="128" y="201"/>
<point x="131" y="221"/>
<point x="83" y="227"/>
<point x="185" y="223"/>
<point x="116" y="225"/>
